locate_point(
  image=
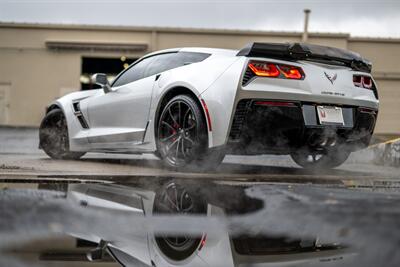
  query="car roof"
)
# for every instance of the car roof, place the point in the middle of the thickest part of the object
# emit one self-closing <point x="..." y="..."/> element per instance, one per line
<point x="214" y="51"/>
<point x="220" y="51"/>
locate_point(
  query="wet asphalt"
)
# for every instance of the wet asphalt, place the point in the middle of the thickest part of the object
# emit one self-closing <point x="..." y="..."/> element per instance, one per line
<point x="356" y="205"/>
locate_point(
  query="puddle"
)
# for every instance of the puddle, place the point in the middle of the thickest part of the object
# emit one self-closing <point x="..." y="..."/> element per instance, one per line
<point x="173" y="222"/>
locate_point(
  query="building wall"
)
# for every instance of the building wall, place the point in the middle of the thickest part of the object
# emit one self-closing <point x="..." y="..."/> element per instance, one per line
<point x="385" y="57"/>
<point x="38" y="75"/>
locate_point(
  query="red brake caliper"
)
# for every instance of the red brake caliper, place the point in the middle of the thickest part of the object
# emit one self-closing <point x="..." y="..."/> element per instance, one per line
<point x="176" y="126"/>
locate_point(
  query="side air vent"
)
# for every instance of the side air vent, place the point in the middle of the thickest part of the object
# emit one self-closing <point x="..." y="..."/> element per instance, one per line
<point x="239" y="119"/>
<point x="82" y="121"/>
<point x="76" y="107"/>
<point x="248" y="75"/>
<point x="79" y="115"/>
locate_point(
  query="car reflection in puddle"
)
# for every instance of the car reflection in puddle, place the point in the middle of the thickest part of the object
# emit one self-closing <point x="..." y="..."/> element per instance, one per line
<point x="206" y="223"/>
<point x="188" y="248"/>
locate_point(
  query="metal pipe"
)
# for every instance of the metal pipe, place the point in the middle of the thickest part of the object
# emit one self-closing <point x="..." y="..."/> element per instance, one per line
<point x="306" y="18"/>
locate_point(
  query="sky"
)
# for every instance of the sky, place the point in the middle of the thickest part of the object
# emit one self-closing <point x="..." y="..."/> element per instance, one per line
<point x="363" y="18"/>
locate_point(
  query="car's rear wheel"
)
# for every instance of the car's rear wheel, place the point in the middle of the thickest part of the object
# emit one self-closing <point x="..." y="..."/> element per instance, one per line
<point x="320" y="159"/>
<point x="182" y="139"/>
<point x="53" y="136"/>
<point x="173" y="199"/>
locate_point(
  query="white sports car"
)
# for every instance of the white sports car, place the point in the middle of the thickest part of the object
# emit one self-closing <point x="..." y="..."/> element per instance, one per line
<point x="191" y="106"/>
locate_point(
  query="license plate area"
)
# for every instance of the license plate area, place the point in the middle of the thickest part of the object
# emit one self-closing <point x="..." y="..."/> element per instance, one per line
<point x="330" y="115"/>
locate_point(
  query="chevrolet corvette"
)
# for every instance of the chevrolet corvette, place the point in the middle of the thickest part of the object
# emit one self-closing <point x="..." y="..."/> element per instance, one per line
<point x="192" y="106"/>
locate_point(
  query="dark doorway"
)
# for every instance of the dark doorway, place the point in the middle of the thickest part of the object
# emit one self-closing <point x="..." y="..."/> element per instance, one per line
<point x="109" y="66"/>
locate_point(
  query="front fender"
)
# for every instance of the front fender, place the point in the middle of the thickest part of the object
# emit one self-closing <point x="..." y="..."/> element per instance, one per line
<point x="76" y="135"/>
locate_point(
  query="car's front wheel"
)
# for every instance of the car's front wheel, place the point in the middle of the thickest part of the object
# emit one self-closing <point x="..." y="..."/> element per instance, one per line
<point x="181" y="136"/>
<point x="53" y="136"/>
<point x="315" y="159"/>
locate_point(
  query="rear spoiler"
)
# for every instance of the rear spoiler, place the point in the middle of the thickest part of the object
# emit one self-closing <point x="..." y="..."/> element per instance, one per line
<point x="301" y="51"/>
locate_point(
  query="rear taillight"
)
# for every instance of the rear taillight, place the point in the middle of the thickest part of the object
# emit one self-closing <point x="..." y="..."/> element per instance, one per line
<point x="272" y="70"/>
<point x="264" y="69"/>
<point x="362" y="81"/>
<point x="366" y="82"/>
<point x="357" y="80"/>
<point x="291" y="72"/>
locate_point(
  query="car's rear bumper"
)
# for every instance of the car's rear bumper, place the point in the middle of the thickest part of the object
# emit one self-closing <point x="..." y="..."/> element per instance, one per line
<point x="280" y="127"/>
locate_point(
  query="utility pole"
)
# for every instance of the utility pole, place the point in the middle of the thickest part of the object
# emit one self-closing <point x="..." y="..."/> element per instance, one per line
<point x="306" y="18"/>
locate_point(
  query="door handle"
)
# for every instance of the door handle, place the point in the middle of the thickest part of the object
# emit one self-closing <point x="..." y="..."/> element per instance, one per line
<point x="157" y="76"/>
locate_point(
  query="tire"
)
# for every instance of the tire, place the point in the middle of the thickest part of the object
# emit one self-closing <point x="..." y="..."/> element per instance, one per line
<point x="173" y="199"/>
<point x="53" y="136"/>
<point x="182" y="136"/>
<point x="312" y="159"/>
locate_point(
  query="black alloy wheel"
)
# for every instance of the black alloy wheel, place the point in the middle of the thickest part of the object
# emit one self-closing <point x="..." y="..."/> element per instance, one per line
<point x="182" y="132"/>
<point x="53" y="136"/>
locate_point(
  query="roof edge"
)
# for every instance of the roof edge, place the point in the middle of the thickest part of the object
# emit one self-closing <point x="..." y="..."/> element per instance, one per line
<point x="375" y="39"/>
<point x="165" y="29"/>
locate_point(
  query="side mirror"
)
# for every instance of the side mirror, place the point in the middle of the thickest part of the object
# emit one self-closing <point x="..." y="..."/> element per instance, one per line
<point x="101" y="79"/>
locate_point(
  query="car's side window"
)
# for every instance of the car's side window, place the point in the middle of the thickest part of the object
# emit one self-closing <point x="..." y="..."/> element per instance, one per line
<point x="161" y="63"/>
<point x="134" y="73"/>
<point x="193" y="57"/>
<point x="170" y="61"/>
<point x="157" y="64"/>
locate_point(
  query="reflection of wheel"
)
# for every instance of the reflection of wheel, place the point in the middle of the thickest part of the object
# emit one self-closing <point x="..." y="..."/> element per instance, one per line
<point x="315" y="159"/>
<point x="182" y="135"/>
<point x="53" y="135"/>
<point x="175" y="200"/>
